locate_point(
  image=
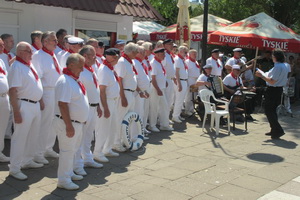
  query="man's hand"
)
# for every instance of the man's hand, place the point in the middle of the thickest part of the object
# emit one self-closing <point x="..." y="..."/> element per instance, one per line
<point x="106" y="113"/>
<point x="124" y="102"/>
<point x="258" y="74"/>
<point x="70" y="131"/>
<point x="42" y="104"/>
<point x="179" y="87"/>
<point x="159" y="92"/>
<point x="146" y="94"/>
<point x="99" y="111"/>
<point x="18" y="117"/>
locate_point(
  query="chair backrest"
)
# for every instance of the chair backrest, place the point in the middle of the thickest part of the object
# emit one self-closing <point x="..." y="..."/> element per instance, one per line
<point x="205" y="96"/>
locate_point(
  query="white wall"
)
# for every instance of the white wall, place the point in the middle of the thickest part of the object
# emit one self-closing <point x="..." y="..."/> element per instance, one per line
<point x="21" y="19"/>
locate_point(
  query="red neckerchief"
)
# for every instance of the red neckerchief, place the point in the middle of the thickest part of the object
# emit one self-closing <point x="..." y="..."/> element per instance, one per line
<point x="2" y="71"/>
<point x="100" y="56"/>
<point x="236" y="79"/>
<point x="70" y="51"/>
<point x="194" y="61"/>
<point x="51" y="53"/>
<point x="144" y="66"/>
<point x="216" y="61"/>
<point x="28" y="64"/>
<point x="66" y="71"/>
<point x="97" y="62"/>
<point x="106" y="63"/>
<point x="149" y="66"/>
<point x="36" y="47"/>
<point x="7" y="53"/>
<point x="130" y="61"/>
<point x="182" y="58"/>
<point x="164" y="71"/>
<point x="62" y="48"/>
<point x="90" y="69"/>
<point x="237" y="60"/>
<point x="170" y="55"/>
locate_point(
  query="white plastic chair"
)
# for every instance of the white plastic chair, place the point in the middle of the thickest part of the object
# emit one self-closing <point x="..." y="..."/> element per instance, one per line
<point x="210" y="109"/>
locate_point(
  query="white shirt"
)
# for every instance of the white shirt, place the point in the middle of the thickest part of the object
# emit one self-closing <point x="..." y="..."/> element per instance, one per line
<point x="3" y="79"/>
<point x="151" y="57"/>
<point x="216" y="71"/>
<point x="231" y="82"/>
<point x="33" y="49"/>
<point x="59" y="55"/>
<point x="179" y="64"/>
<point x="4" y="58"/>
<point x="124" y="70"/>
<point x="68" y="91"/>
<point x="45" y="68"/>
<point x="249" y="75"/>
<point x="158" y="72"/>
<point x="63" y="59"/>
<point x="57" y="50"/>
<point x="169" y="66"/>
<point x="201" y="78"/>
<point x="147" y="63"/>
<point x="106" y="77"/>
<point x="193" y="70"/>
<point x="21" y="77"/>
<point x="93" y="93"/>
<point x="143" y="80"/>
<point x="232" y="61"/>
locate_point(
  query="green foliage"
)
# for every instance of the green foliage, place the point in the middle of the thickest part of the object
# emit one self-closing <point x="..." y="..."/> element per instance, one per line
<point x="168" y="9"/>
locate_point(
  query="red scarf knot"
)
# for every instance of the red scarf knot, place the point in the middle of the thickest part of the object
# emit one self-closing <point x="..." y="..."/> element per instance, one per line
<point x="106" y="63"/>
<point x="130" y="61"/>
<point x="67" y="72"/>
<point x="35" y="46"/>
<point x="62" y="47"/>
<point x="2" y="71"/>
<point x="164" y="71"/>
<point x="171" y="55"/>
<point x="217" y="61"/>
<point x="90" y="69"/>
<point x="28" y="64"/>
<point x="182" y="58"/>
<point x="144" y="66"/>
<point x="51" y="53"/>
<point x="236" y="79"/>
<point x="194" y="61"/>
<point x="149" y="66"/>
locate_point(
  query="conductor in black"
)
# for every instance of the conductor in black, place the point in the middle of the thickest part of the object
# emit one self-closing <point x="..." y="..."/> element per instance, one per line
<point x="275" y="79"/>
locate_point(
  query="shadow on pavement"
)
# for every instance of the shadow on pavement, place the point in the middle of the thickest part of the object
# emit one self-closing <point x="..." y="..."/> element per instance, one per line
<point x="282" y="143"/>
<point x="265" y="157"/>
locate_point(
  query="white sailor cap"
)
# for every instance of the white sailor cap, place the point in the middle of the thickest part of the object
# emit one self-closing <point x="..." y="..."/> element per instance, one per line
<point x="75" y="40"/>
<point x="237" y="50"/>
<point x="120" y="42"/>
<point x="236" y="67"/>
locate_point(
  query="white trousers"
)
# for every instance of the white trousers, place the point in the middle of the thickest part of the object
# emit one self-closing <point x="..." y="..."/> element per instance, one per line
<point x="25" y="137"/>
<point x="170" y="94"/>
<point x="4" y="117"/>
<point x="47" y="136"/>
<point x="9" y="126"/>
<point x="146" y="111"/>
<point x="158" y="107"/>
<point x="106" y="129"/>
<point x="189" y="106"/>
<point x="67" y="149"/>
<point x="179" y="99"/>
<point x="122" y="111"/>
<point x="84" y="154"/>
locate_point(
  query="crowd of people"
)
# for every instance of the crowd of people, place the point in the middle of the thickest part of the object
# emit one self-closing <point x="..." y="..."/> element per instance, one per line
<point x="63" y="87"/>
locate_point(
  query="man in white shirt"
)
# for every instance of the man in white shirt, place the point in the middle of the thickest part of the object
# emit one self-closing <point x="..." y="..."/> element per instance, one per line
<point x="158" y="102"/>
<point x="168" y="64"/>
<point x="194" y="73"/>
<point x="36" y="41"/>
<point x="60" y="35"/>
<point x="71" y="113"/>
<point x="99" y="52"/>
<point x="64" y="48"/>
<point x="128" y="85"/>
<point x="235" y="60"/>
<point x="182" y="85"/>
<point x="9" y="44"/>
<point x="215" y="62"/>
<point x="88" y="77"/>
<point x="4" y="104"/>
<point x="75" y="44"/>
<point x="25" y="92"/>
<point x="120" y="44"/>
<point x="109" y="94"/>
<point x="49" y="71"/>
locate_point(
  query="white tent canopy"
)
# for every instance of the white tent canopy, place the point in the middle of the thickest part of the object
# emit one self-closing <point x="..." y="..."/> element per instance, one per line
<point x="144" y="28"/>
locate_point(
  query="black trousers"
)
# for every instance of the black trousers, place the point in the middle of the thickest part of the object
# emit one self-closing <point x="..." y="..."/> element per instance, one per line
<point x="272" y="101"/>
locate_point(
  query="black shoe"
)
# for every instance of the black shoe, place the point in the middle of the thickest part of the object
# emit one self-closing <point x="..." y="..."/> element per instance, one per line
<point x="249" y="118"/>
<point x="268" y="134"/>
<point x="277" y="136"/>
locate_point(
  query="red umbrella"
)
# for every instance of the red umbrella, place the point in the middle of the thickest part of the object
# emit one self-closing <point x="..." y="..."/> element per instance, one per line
<point x="196" y="24"/>
<point x="257" y="31"/>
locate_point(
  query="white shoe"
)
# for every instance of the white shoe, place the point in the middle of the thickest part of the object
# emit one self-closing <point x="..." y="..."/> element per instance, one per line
<point x="101" y="159"/>
<point x="51" y="154"/>
<point x="76" y="177"/>
<point x="146" y="138"/>
<point x="170" y="122"/>
<point x="119" y="148"/>
<point x="41" y="160"/>
<point x="68" y="186"/>
<point x="176" y="120"/>
<point x="93" y="165"/>
<point x="154" y="129"/>
<point x="181" y="118"/>
<point x="166" y="128"/>
<point x="18" y="175"/>
<point x="147" y="131"/>
<point x="4" y="158"/>
<point x="188" y="113"/>
<point x="32" y="164"/>
<point x="80" y="171"/>
<point x="111" y="154"/>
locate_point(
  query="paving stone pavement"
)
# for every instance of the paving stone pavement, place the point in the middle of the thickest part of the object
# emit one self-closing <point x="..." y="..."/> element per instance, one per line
<point x="184" y="164"/>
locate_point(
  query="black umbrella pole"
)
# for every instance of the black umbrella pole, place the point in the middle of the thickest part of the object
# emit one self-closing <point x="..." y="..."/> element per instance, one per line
<point x="204" y="34"/>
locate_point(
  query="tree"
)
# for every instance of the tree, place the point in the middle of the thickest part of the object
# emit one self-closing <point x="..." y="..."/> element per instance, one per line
<point x="168" y="9"/>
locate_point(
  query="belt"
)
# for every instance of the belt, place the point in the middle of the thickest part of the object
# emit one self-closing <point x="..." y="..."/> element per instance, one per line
<point x="28" y="100"/>
<point x="3" y="95"/>
<point x="183" y="79"/>
<point x="78" y="122"/>
<point x="275" y="86"/>
<point x="94" y="104"/>
<point x="129" y="90"/>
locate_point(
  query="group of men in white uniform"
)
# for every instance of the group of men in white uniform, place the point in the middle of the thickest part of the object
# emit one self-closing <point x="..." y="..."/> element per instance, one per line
<point x="75" y="91"/>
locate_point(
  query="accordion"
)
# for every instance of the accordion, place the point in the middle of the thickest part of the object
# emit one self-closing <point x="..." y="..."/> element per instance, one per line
<point x="216" y="85"/>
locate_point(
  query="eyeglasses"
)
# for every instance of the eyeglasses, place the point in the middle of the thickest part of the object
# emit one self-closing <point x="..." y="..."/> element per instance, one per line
<point x="27" y="51"/>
